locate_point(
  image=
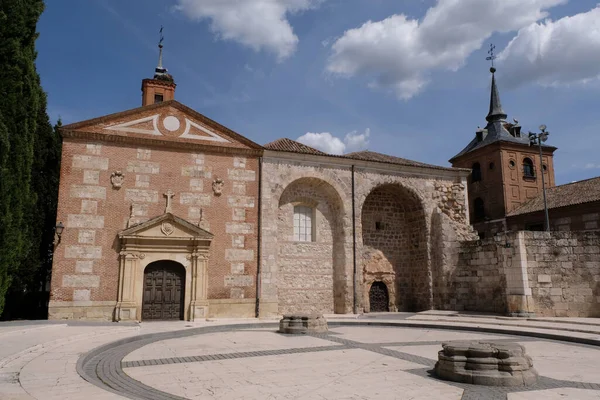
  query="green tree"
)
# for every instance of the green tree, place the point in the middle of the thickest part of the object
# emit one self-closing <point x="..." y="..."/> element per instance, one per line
<point x="23" y="134"/>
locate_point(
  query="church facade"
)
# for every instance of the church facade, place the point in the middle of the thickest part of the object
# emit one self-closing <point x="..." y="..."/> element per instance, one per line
<point x="170" y="215"/>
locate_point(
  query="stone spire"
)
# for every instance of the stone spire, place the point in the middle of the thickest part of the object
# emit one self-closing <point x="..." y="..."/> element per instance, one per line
<point x="496" y="112"/>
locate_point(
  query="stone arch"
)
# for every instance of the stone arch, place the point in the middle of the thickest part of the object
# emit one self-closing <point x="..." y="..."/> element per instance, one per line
<point x="311" y="276"/>
<point x="394" y="237"/>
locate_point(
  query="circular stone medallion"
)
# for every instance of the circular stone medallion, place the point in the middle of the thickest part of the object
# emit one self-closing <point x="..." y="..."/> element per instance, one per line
<point x="171" y="123"/>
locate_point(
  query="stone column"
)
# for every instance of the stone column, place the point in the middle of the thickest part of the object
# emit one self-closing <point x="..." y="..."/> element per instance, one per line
<point x="199" y="286"/>
<point x="126" y="302"/>
<point x="519" y="300"/>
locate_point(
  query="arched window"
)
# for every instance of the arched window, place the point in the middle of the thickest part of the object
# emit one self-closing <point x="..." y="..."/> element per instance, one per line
<point x="478" y="209"/>
<point x="303" y="224"/>
<point x="476" y="172"/>
<point x="528" y="171"/>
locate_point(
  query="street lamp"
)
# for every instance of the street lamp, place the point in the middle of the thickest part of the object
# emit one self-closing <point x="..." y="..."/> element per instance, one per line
<point x="538" y="139"/>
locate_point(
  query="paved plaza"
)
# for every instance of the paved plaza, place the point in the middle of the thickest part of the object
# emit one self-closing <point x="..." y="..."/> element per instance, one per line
<point x="386" y="356"/>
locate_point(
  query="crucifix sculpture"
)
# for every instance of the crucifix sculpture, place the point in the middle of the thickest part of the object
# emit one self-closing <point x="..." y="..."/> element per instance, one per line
<point x="169" y="195"/>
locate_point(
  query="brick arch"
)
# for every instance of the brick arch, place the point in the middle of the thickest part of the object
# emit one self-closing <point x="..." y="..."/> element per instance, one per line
<point x="394" y="231"/>
<point x="311" y="275"/>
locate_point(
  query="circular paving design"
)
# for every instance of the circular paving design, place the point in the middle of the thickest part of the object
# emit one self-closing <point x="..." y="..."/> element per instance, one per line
<point x="354" y="360"/>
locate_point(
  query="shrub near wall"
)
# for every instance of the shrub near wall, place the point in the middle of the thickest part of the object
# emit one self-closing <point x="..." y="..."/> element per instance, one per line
<point x="564" y="273"/>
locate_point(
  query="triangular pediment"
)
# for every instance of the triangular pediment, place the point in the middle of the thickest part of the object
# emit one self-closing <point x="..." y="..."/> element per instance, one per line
<point x="169" y="121"/>
<point x="166" y="226"/>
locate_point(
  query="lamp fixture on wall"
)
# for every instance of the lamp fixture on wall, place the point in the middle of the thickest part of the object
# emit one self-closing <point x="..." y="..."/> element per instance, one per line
<point x="58" y="230"/>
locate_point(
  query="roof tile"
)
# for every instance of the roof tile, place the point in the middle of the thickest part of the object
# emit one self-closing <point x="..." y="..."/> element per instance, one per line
<point x="569" y="194"/>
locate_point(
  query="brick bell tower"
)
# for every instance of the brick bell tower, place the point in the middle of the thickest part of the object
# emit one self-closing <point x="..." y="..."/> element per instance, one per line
<point x="505" y="170"/>
<point x="162" y="86"/>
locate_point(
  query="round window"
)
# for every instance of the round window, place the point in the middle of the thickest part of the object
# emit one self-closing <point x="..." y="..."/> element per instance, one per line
<point x="492" y="165"/>
<point x="511" y="163"/>
<point x="545" y="167"/>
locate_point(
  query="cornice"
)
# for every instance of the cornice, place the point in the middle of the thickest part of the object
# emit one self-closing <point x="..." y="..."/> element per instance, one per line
<point x="368" y="166"/>
<point x="156" y="142"/>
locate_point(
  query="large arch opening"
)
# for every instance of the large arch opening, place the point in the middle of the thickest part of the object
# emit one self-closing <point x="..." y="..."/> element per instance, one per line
<point x="394" y="236"/>
<point x="164" y="291"/>
<point x="311" y="249"/>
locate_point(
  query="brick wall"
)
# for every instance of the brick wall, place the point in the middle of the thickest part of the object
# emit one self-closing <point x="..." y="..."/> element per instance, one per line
<point x="86" y="263"/>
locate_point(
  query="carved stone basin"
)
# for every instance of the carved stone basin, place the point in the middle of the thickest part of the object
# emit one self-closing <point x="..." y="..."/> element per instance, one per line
<point x="302" y="324"/>
<point x="485" y="363"/>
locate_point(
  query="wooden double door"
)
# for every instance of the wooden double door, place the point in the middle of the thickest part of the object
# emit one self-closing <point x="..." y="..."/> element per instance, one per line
<point x="164" y="288"/>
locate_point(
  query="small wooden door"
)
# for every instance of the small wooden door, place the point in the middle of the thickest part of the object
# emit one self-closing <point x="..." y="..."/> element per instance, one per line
<point x="164" y="283"/>
<point x="379" y="299"/>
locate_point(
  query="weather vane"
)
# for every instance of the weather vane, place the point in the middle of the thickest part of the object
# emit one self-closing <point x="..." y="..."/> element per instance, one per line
<point x="492" y="57"/>
<point x="161" y="37"/>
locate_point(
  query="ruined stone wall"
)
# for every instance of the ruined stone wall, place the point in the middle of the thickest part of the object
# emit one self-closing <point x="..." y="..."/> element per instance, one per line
<point x="564" y="273"/>
<point x="521" y="273"/>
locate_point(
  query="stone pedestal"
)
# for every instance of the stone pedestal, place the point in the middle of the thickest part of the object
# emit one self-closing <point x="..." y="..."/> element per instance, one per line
<point x="302" y="323"/>
<point x="485" y="363"/>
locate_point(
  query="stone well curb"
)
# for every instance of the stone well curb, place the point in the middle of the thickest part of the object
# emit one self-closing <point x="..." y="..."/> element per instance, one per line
<point x="111" y="351"/>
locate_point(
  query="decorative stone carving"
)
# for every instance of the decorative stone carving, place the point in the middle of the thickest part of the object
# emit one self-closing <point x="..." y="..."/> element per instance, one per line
<point x="302" y="324"/>
<point x="116" y="179"/>
<point x="169" y="195"/>
<point x="217" y="186"/>
<point x="142" y="256"/>
<point x="485" y="363"/>
<point x="167" y="228"/>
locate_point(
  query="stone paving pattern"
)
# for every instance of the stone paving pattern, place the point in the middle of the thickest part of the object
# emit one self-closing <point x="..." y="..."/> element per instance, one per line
<point x="247" y="359"/>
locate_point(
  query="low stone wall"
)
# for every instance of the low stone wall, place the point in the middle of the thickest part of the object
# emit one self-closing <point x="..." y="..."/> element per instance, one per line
<point x="553" y="274"/>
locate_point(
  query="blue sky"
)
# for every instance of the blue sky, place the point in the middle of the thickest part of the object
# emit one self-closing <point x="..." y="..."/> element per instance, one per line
<point x="403" y="77"/>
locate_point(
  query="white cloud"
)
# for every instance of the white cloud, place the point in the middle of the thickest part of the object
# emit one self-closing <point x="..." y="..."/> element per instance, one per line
<point x="328" y="143"/>
<point x="258" y="24"/>
<point x="398" y="52"/>
<point x="357" y="141"/>
<point x="555" y="52"/>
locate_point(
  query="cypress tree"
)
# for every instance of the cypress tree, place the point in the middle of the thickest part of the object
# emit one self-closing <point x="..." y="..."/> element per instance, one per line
<point x="21" y="102"/>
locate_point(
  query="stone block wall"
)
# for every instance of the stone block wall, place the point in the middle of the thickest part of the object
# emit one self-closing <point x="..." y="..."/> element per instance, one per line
<point x="523" y="273"/>
<point x="307" y="269"/>
<point x="564" y="273"/>
<point x="412" y="196"/>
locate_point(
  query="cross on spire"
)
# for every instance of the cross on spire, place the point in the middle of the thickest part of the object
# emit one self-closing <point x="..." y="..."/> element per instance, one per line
<point x="491" y="57"/>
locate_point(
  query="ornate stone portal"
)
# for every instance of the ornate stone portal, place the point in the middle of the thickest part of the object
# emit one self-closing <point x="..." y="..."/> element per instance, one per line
<point x="302" y="324"/>
<point x="166" y="237"/>
<point x="485" y="363"/>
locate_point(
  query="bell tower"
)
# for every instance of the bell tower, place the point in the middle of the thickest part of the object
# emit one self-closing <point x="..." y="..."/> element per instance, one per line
<point x="162" y="86"/>
<point x="505" y="170"/>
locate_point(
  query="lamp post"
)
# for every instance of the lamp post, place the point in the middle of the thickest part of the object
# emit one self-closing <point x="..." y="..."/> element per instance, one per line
<point x="538" y="139"/>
